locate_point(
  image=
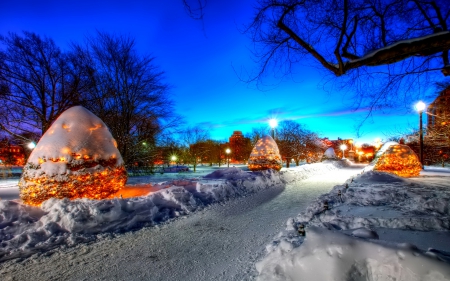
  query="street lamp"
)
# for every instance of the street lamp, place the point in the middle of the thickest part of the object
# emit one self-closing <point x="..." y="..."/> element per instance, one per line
<point x="343" y="148"/>
<point x="228" y="157"/>
<point x="273" y="123"/>
<point x="31" y="145"/>
<point x="173" y="158"/>
<point x="420" y="107"/>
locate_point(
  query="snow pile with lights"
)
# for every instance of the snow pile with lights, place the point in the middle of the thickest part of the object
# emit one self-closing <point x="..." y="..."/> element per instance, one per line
<point x="25" y="230"/>
<point x="399" y="160"/>
<point x="352" y="236"/>
<point x="265" y="155"/>
<point x="382" y="150"/>
<point x="76" y="158"/>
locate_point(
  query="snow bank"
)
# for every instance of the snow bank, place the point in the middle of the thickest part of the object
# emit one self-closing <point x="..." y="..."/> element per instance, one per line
<point x="362" y="208"/>
<point x="328" y="255"/>
<point x="26" y="230"/>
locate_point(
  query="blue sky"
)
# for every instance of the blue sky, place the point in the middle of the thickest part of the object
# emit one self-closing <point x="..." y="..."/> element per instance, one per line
<point x="204" y="62"/>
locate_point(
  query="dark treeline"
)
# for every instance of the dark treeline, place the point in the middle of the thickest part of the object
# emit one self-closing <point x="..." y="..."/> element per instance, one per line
<point x="105" y="74"/>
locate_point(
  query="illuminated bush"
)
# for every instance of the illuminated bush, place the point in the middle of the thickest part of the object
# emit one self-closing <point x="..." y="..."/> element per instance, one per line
<point x="76" y="158"/>
<point x="265" y="155"/>
<point x="400" y="160"/>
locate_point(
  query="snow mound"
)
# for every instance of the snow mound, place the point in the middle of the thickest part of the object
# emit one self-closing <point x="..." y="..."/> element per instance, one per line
<point x="77" y="131"/>
<point x="365" y="233"/>
<point x="230" y="173"/>
<point x="382" y="149"/>
<point x="375" y="206"/>
<point x="329" y="154"/>
<point x="378" y="177"/>
<point x="328" y="255"/>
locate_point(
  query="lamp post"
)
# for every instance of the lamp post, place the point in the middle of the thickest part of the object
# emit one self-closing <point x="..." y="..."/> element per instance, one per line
<point x="228" y="157"/>
<point x="173" y="158"/>
<point x="273" y="123"/>
<point x="420" y="106"/>
<point x="343" y="148"/>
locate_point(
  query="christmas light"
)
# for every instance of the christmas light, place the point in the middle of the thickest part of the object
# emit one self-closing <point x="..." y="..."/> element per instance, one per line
<point x="76" y="158"/>
<point x="399" y="160"/>
<point x="265" y="155"/>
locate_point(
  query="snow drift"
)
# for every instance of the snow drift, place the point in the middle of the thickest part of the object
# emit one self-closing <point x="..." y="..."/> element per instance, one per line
<point x="345" y="236"/>
<point x="25" y="230"/>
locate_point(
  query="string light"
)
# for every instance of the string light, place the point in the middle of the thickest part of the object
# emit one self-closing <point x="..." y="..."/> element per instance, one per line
<point x="399" y="160"/>
<point x="78" y="183"/>
<point x="265" y="155"/>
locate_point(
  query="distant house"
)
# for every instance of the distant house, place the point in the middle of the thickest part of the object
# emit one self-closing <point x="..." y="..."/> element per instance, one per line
<point x="240" y="147"/>
<point x="11" y="154"/>
<point x="438" y="124"/>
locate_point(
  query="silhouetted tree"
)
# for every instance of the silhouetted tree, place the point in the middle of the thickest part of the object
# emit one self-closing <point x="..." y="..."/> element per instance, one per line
<point x="127" y="93"/>
<point x="37" y="83"/>
<point x="383" y="49"/>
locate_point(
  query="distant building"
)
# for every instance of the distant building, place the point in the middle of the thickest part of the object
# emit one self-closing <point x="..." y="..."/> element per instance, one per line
<point x="240" y="147"/>
<point x="11" y="154"/>
<point x="439" y="110"/>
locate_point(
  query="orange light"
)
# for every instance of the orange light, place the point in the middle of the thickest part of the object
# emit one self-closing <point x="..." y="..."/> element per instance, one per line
<point x="399" y="160"/>
<point x="97" y="185"/>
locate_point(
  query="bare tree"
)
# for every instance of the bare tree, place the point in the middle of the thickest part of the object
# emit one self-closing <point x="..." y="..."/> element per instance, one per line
<point x="289" y="136"/>
<point x="192" y="139"/>
<point x="38" y="82"/>
<point x="127" y="93"/>
<point x="195" y="8"/>
<point x="296" y="142"/>
<point x="384" y="50"/>
<point x="257" y="133"/>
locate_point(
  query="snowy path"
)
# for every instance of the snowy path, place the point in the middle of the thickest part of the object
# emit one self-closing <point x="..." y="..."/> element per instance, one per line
<point x="221" y="242"/>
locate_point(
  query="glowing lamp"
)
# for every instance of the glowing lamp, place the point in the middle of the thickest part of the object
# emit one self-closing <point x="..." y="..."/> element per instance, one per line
<point x="273" y="123"/>
<point x="76" y="158"/>
<point x="343" y="148"/>
<point x="420" y="106"/>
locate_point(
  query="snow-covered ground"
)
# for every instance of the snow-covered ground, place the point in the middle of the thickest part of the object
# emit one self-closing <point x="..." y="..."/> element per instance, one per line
<point x="27" y="230"/>
<point x="220" y="241"/>
<point x="380" y="227"/>
<point x="191" y="230"/>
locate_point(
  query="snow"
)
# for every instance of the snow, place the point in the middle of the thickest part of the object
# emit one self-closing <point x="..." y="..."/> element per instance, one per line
<point x="356" y="236"/>
<point x="329" y="153"/>
<point x="402" y="42"/>
<point x="219" y="226"/>
<point x="382" y="150"/>
<point x="28" y="230"/>
<point x="329" y="255"/>
<point x="76" y="131"/>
